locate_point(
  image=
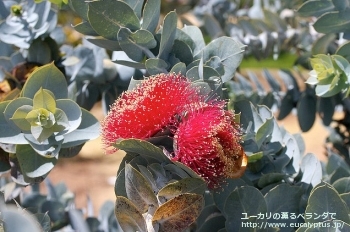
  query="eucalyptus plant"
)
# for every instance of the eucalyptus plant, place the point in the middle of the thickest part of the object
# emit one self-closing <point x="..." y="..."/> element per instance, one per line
<point x="193" y="160"/>
<point x="44" y="124"/>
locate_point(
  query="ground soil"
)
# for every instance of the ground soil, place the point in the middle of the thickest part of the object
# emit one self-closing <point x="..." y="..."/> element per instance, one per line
<point x="92" y="173"/>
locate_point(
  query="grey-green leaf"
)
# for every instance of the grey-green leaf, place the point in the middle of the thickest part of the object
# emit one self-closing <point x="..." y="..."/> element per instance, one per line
<point x="107" y="17"/>
<point x="136" y="44"/>
<point x="179" y="68"/>
<point x="85" y="29"/>
<point x="46" y="77"/>
<point x="155" y="66"/>
<point x="246" y="201"/>
<point x="315" y="8"/>
<point x="168" y="35"/>
<point x="324" y="198"/>
<point x="229" y="51"/>
<point x="306" y="111"/>
<point x="332" y="22"/>
<point x="151" y="13"/>
<point x="32" y="164"/>
<point x="284" y="198"/>
<point x="142" y="148"/>
<point x="342" y="185"/>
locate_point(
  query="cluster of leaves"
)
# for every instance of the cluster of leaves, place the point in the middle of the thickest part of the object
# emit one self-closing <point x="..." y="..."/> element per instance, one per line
<point x="41" y="125"/>
<point x="26" y="34"/>
<point x="134" y="30"/>
<point x="34" y="211"/>
<point x="331" y="15"/>
<point x="154" y="193"/>
<point x="26" y="22"/>
<point x="147" y="176"/>
<point x="90" y="74"/>
<point x="268" y="28"/>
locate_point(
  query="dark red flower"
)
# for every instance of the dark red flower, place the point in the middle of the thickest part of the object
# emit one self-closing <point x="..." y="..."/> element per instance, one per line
<point x="148" y="109"/>
<point x="208" y="141"/>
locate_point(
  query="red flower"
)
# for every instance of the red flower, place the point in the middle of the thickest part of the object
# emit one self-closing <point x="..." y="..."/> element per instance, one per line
<point x="208" y="141"/>
<point x="148" y="109"/>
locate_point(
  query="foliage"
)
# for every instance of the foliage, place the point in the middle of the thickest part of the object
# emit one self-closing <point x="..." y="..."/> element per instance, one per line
<point x="34" y="211"/>
<point x="44" y="125"/>
<point x="42" y="119"/>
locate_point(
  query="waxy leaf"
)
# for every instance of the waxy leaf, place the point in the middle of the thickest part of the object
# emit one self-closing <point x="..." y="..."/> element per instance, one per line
<point x="315" y="8"/>
<point x="47" y="148"/>
<point x="247" y="201"/>
<point x="196" y="36"/>
<point x="142" y="148"/>
<point x="80" y="7"/>
<point x="270" y="178"/>
<point x="136" y="5"/>
<point x="15" y="220"/>
<point x="264" y="131"/>
<point x="306" y="110"/>
<point x="155" y="66"/>
<point x="46" y="77"/>
<point x="85" y="29"/>
<point x="138" y="190"/>
<point x="178" y="213"/>
<point x="179" y="68"/>
<point x="39" y="52"/>
<point x="324" y="198"/>
<point x="151" y="13"/>
<point x="168" y="35"/>
<point x="332" y="22"/>
<point x="87" y="130"/>
<point x="342" y="185"/>
<point x="311" y="169"/>
<point x="208" y="72"/>
<point x="186" y="185"/>
<point x="128" y="216"/>
<point x="44" y="99"/>
<point x="188" y="170"/>
<point x="286" y="197"/>
<point x="9" y="131"/>
<point x="20" y="117"/>
<point x="105" y="43"/>
<point x="221" y="196"/>
<point x="229" y="51"/>
<point x="33" y="164"/>
<point x="136" y="44"/>
<point x="107" y="21"/>
<point x="72" y="111"/>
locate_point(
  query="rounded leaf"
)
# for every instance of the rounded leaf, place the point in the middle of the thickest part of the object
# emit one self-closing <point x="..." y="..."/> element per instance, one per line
<point x="229" y="51"/>
<point x="342" y="185"/>
<point x="46" y="77"/>
<point x="72" y="111"/>
<point x="136" y="44"/>
<point x="186" y="185"/>
<point x="32" y="164"/>
<point x="244" y="200"/>
<point x="44" y="99"/>
<point x="107" y="17"/>
<point x="178" y="213"/>
<point x="15" y="220"/>
<point x="128" y="216"/>
<point x="324" y="198"/>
